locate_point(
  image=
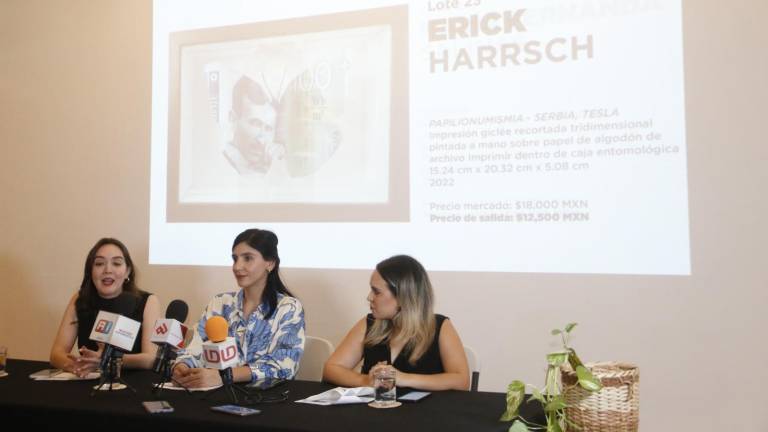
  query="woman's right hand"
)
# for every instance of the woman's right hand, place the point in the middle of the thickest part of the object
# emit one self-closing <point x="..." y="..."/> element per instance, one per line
<point x="198" y="377"/>
<point x="180" y="370"/>
<point x="87" y="362"/>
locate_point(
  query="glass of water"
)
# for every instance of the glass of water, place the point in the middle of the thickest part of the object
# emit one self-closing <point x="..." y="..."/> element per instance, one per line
<point x="3" y="359"/>
<point x="385" y="392"/>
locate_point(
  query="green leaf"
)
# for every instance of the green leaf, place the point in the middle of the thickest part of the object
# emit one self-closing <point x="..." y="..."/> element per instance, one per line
<point x="553" y="422"/>
<point x="536" y="395"/>
<point x="573" y="359"/>
<point x="551" y="380"/>
<point x="557" y="358"/>
<point x="557" y="403"/>
<point x="570" y="327"/>
<point x="515" y="395"/>
<point x="556" y="332"/>
<point x="518" y="426"/>
<point x="586" y="380"/>
<point x="507" y="416"/>
<point x="554" y="427"/>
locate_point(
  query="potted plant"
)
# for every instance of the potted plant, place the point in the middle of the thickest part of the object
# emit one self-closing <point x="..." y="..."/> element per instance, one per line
<point x="553" y="396"/>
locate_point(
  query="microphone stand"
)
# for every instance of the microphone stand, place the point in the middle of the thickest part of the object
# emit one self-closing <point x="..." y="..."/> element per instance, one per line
<point x="228" y="386"/>
<point x="165" y="370"/>
<point x="111" y="365"/>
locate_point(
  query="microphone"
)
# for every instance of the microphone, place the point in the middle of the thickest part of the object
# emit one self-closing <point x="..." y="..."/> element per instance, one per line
<point x="170" y="334"/>
<point x="114" y="329"/>
<point x="220" y="352"/>
<point x="118" y="333"/>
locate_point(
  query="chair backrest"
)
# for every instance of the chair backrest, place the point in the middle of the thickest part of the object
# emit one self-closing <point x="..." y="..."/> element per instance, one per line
<point x="474" y="367"/>
<point x="316" y="352"/>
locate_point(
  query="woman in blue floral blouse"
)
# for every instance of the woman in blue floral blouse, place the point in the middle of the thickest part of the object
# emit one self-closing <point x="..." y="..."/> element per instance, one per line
<point x="264" y="318"/>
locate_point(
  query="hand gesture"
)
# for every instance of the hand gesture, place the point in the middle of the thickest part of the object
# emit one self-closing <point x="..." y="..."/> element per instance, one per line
<point x="88" y="361"/>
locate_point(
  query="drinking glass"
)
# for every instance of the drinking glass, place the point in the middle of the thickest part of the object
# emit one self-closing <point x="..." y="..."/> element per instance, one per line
<point x="3" y="358"/>
<point x="385" y="392"/>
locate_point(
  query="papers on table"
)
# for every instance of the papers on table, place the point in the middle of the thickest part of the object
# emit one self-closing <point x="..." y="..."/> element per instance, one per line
<point x="170" y="385"/>
<point x="60" y="375"/>
<point x="341" y="395"/>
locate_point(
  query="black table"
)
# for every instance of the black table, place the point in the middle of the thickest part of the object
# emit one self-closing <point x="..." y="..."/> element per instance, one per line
<point x="49" y="404"/>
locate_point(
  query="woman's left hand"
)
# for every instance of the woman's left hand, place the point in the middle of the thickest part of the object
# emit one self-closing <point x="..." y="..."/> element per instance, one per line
<point x="400" y="377"/>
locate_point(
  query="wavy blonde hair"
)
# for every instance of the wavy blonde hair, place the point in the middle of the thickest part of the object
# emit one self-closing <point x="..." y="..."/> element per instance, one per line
<point x="415" y="321"/>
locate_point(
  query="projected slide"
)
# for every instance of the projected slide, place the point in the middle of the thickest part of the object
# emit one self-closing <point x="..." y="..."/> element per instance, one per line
<point x="477" y="135"/>
<point x="289" y="120"/>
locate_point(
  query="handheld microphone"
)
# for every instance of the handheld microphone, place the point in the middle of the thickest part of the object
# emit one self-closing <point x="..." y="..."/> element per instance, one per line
<point x="169" y="334"/>
<point x="220" y="352"/>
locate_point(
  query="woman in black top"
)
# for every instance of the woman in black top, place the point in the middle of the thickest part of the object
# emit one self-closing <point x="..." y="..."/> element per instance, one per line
<point x="108" y="274"/>
<point x="402" y="331"/>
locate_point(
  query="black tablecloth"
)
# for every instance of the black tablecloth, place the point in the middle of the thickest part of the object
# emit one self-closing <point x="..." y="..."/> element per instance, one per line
<point x="48" y="404"/>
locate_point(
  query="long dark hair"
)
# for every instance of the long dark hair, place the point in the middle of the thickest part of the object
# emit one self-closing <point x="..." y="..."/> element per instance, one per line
<point x="265" y="242"/>
<point x="87" y="296"/>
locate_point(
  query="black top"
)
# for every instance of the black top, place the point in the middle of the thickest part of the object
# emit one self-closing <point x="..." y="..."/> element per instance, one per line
<point x="85" y="321"/>
<point x="429" y="363"/>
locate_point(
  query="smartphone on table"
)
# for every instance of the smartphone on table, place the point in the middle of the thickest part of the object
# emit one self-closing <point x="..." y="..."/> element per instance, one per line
<point x="414" y="396"/>
<point x="155" y="407"/>
<point x="235" y="410"/>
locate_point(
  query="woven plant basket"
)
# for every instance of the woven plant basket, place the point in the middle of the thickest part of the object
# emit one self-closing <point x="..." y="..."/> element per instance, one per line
<point x="615" y="408"/>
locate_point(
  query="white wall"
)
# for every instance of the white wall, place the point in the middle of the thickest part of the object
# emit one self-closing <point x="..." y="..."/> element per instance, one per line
<point x="74" y="140"/>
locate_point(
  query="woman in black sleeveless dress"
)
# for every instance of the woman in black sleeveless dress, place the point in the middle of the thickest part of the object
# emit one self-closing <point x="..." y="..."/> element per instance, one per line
<point x="109" y="279"/>
<point x="402" y="331"/>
